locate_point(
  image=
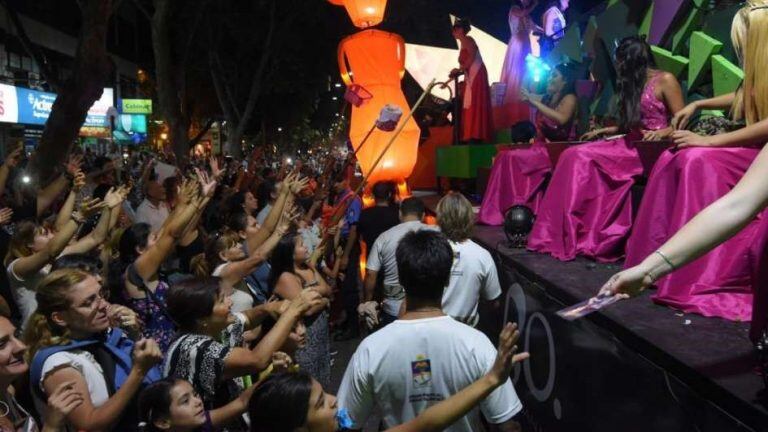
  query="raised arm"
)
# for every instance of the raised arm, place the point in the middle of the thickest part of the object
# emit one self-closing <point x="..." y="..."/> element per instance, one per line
<point x="235" y="271"/>
<point x="711" y="227"/>
<point x="99" y="233"/>
<point x="438" y="417"/>
<point x="69" y="204"/>
<point x="47" y="196"/>
<point x="241" y="361"/>
<point x="29" y="265"/>
<point x="148" y="263"/>
<point x="11" y="160"/>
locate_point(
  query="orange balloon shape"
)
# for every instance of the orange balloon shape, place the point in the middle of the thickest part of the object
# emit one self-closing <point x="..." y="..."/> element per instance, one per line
<point x="375" y="60"/>
<point x="364" y="13"/>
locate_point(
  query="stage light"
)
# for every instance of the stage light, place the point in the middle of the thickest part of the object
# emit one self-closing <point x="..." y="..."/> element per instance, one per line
<point x="536" y="67"/>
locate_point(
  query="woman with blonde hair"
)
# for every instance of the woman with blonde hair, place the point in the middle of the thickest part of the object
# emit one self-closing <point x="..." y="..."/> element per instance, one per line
<point x="720" y="283"/>
<point x="735" y="210"/>
<point x="74" y="339"/>
<point x="473" y="275"/>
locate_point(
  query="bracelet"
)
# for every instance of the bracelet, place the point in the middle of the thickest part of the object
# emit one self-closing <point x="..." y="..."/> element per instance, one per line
<point x="666" y="260"/>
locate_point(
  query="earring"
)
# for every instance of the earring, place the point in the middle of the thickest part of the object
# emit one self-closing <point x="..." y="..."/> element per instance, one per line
<point x="4" y="409"/>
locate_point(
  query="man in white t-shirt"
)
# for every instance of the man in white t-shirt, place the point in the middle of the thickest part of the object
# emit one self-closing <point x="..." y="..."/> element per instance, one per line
<point x="381" y="259"/>
<point x="153" y="210"/>
<point x="425" y="356"/>
<point x="473" y="275"/>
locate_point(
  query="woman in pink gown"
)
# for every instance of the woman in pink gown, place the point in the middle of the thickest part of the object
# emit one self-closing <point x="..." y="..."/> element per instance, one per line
<point x="587" y="208"/>
<point x="518" y="175"/>
<point x="476" y="115"/>
<point x="513" y="109"/>
<point x="682" y="184"/>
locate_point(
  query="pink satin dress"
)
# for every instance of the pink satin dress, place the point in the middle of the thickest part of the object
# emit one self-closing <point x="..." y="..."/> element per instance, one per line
<point x="587" y="208"/>
<point x="514" y="110"/>
<point x="518" y="175"/>
<point x="683" y="182"/>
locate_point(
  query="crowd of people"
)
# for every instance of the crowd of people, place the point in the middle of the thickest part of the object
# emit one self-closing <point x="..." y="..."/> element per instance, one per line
<point x="143" y="295"/>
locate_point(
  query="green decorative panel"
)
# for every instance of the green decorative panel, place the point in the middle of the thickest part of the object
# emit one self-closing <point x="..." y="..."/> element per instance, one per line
<point x="569" y="46"/>
<point x="718" y="26"/>
<point x="462" y="161"/>
<point x="669" y="62"/>
<point x="645" y="26"/>
<point x="504" y="135"/>
<point x="702" y="48"/>
<point x="618" y="22"/>
<point x="692" y="21"/>
<point x="590" y="36"/>
<point x="726" y="76"/>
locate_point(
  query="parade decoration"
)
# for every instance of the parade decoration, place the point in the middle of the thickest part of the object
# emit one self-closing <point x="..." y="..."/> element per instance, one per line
<point x="363" y="13"/>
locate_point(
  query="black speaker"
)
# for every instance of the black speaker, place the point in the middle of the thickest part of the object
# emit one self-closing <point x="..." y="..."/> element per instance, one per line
<point x="518" y="223"/>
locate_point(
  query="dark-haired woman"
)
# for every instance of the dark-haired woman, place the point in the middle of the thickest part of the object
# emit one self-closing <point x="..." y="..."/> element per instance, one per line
<point x="208" y="350"/>
<point x="476" y="116"/>
<point x="292" y="273"/>
<point x="142" y="252"/>
<point x="173" y="405"/>
<point x="587" y="208"/>
<point x="553" y="23"/>
<point x="513" y="109"/>
<point x="294" y="402"/>
<point x="518" y="175"/>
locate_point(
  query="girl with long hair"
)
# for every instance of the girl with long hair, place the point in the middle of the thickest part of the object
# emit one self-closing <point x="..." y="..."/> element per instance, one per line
<point x="518" y="175"/>
<point x="293" y="272"/>
<point x="173" y="405"/>
<point x="74" y="340"/>
<point x="293" y="402"/>
<point x="208" y="349"/>
<point x="587" y="208"/>
<point x="721" y="282"/>
<point x="735" y="210"/>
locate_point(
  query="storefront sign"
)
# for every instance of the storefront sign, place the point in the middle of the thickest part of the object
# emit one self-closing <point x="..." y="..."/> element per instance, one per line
<point x="136" y="106"/>
<point x="132" y="123"/>
<point x="9" y="107"/>
<point x="34" y="107"/>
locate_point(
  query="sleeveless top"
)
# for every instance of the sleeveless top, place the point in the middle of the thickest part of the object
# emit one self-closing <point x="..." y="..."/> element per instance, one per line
<point x="548" y="129"/>
<point x="157" y="323"/>
<point x="653" y="112"/>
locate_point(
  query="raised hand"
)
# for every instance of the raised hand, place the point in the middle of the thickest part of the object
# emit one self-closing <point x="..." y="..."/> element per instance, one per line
<point x="113" y="198"/>
<point x="5" y="215"/>
<point x="216" y="170"/>
<point x="207" y="185"/>
<point x="73" y="164"/>
<point x="90" y="206"/>
<point x="78" y="181"/>
<point x="62" y="401"/>
<point x="281" y="362"/>
<point x="506" y="356"/>
<point x="13" y="157"/>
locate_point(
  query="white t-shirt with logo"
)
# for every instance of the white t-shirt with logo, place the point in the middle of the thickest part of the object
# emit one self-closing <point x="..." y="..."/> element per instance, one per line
<point x="473" y="276"/>
<point x="410" y="365"/>
<point x="382" y="257"/>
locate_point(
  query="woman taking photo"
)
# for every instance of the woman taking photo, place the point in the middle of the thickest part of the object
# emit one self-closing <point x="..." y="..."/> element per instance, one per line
<point x="213" y="363"/>
<point x="292" y="273"/>
<point x="72" y="341"/>
<point x="587" y="208"/>
<point x="294" y="402"/>
<point x="518" y="175"/>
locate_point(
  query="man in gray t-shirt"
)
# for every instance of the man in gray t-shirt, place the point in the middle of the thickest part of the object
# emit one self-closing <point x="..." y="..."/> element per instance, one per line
<point x="381" y="258"/>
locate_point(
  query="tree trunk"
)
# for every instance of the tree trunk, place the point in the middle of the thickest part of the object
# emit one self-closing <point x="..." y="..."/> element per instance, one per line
<point x="93" y="69"/>
<point x="169" y="93"/>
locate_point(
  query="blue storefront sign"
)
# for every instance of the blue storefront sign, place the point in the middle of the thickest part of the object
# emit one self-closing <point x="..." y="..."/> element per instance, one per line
<point x="34" y="107"/>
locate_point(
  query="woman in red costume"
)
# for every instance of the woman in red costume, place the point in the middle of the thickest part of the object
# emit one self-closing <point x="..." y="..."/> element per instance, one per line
<point x="476" y="124"/>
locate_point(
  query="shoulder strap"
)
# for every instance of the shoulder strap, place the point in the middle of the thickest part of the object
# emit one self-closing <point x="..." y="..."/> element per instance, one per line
<point x="138" y="281"/>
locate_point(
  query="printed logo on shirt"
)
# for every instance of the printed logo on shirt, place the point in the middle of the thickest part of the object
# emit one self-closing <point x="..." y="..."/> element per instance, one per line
<point x="455" y="268"/>
<point x="421" y="369"/>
